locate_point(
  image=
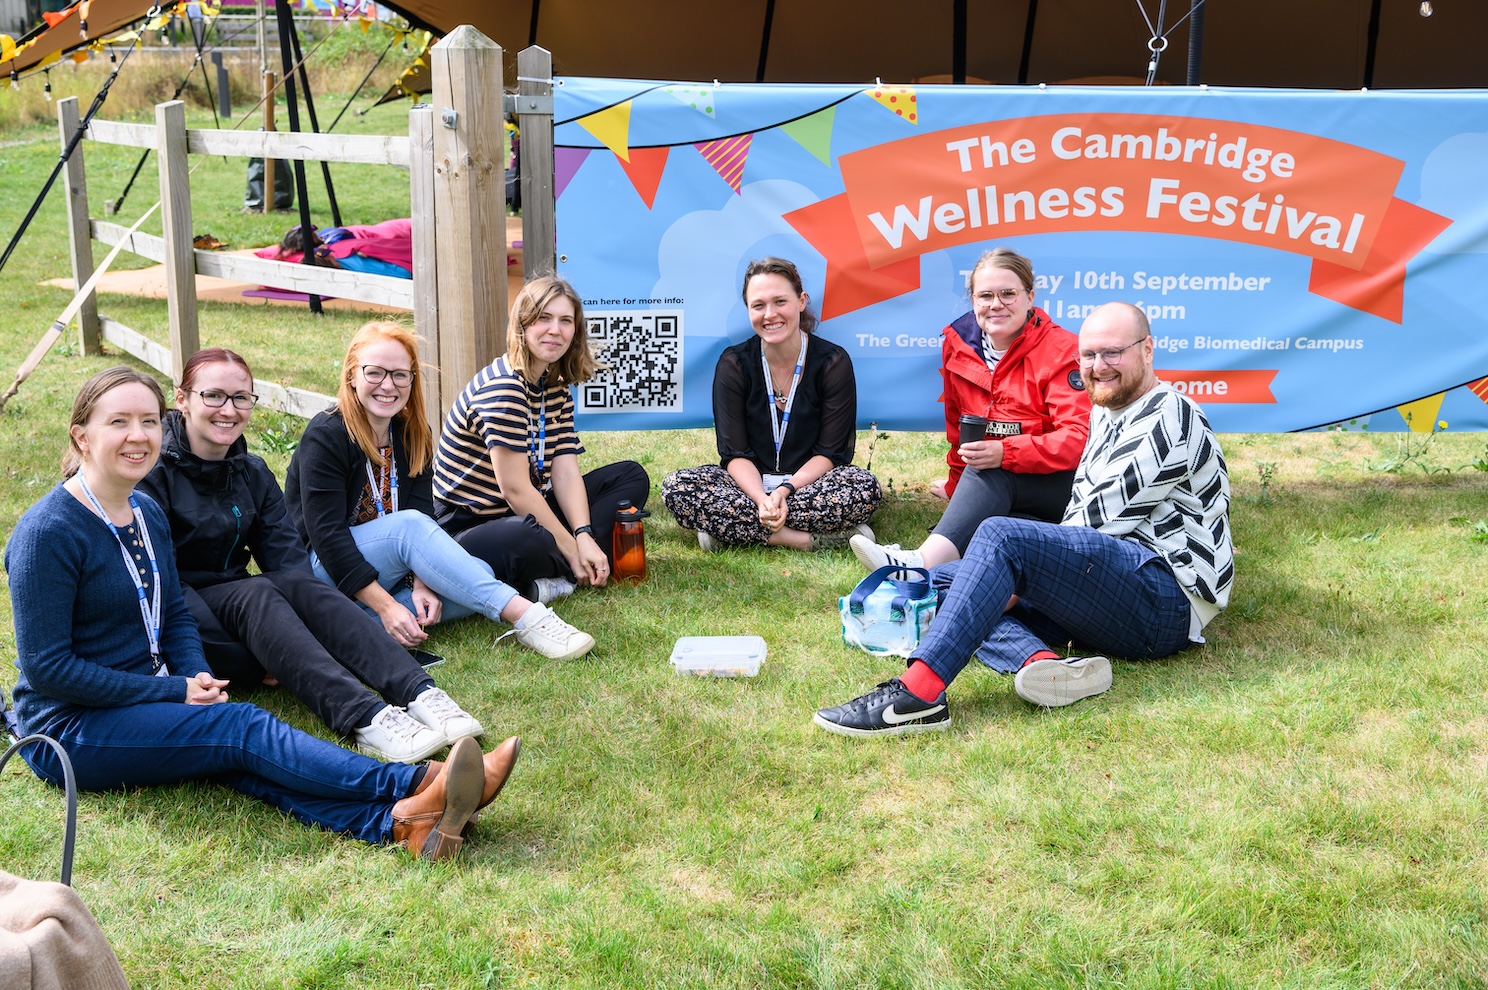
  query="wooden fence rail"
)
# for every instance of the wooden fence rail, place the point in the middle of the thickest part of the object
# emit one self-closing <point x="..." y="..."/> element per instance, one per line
<point x="455" y="188"/>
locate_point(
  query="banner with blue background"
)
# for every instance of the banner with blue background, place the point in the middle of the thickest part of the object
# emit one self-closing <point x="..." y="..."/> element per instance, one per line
<point x="1305" y="258"/>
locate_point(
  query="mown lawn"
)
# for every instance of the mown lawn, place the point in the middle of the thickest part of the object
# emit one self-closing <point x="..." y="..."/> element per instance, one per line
<point x="1301" y="803"/>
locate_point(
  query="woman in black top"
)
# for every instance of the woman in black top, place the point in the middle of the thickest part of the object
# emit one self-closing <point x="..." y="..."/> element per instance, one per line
<point x="785" y="408"/>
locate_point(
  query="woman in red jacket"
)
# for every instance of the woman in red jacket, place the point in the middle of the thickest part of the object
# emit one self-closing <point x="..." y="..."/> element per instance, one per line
<point x="1007" y="362"/>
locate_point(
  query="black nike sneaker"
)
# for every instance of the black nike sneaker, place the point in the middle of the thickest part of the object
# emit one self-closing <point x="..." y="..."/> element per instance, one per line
<point x="888" y="710"/>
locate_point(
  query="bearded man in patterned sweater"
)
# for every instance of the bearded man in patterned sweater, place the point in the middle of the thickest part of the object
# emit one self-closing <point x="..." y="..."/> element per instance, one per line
<point x="1141" y="563"/>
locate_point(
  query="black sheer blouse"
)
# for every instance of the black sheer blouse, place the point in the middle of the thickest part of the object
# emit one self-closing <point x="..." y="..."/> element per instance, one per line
<point x="823" y="418"/>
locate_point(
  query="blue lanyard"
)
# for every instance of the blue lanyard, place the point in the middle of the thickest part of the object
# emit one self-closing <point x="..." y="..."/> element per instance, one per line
<point x="390" y="473"/>
<point x="778" y="423"/>
<point x="537" y="439"/>
<point x="150" y="612"/>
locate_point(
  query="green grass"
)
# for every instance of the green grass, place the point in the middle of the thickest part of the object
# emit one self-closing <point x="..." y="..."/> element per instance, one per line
<point x="1299" y="804"/>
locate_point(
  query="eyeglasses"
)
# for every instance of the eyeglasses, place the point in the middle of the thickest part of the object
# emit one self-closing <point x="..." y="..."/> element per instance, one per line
<point x="402" y="378"/>
<point x="1006" y="295"/>
<point x="1111" y="355"/>
<point x="216" y="398"/>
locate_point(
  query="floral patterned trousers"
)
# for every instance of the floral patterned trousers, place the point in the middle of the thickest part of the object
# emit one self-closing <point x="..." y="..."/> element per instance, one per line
<point x="706" y="498"/>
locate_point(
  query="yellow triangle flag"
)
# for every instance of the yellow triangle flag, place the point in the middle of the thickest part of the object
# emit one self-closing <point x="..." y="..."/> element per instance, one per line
<point x="1421" y="415"/>
<point x="611" y="126"/>
<point x="900" y="99"/>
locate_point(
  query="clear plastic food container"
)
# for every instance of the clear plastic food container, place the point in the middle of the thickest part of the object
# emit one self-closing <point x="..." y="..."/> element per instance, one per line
<point x="719" y="656"/>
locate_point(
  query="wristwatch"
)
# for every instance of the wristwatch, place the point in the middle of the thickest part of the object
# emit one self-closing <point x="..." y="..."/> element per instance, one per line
<point x="586" y="528"/>
<point x="787" y="484"/>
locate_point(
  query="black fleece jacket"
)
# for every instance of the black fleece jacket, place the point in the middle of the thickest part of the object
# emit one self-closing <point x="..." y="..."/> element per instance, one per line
<point x="324" y="482"/>
<point x="222" y="513"/>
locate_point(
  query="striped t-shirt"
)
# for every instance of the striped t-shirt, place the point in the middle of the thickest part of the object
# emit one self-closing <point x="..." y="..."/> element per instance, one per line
<point x="500" y="410"/>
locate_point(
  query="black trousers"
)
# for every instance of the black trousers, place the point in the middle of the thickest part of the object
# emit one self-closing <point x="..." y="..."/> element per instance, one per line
<point x="520" y="551"/>
<point x="319" y="644"/>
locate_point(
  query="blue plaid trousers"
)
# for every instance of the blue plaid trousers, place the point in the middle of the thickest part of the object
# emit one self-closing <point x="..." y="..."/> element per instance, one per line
<point x="1074" y="584"/>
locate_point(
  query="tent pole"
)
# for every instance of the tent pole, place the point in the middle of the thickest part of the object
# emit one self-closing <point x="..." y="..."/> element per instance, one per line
<point x="1372" y="46"/>
<point x="958" y="41"/>
<point x="286" y="31"/>
<point x="1027" y="42"/>
<point x="759" y="73"/>
<point x="325" y="167"/>
<point x="1195" y="40"/>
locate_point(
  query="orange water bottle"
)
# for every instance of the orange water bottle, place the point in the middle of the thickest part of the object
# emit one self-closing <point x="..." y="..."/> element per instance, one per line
<point x="630" y="542"/>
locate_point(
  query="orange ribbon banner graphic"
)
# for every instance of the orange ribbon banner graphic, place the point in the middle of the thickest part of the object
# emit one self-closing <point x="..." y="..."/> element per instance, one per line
<point x="1328" y="200"/>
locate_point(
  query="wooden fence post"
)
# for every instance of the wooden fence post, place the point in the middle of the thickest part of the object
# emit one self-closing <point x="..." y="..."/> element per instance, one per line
<point x="425" y="256"/>
<point x="175" y="221"/>
<point x="535" y="119"/>
<point x="470" y="200"/>
<point x="79" y="231"/>
<point x="269" y="82"/>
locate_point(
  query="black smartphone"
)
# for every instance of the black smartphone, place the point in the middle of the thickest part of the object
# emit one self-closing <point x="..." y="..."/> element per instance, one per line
<point x="426" y="659"/>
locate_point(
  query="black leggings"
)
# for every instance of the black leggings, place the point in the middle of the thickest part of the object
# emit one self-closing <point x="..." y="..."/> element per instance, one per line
<point x="981" y="495"/>
<point x="319" y="644"/>
<point x="520" y="551"/>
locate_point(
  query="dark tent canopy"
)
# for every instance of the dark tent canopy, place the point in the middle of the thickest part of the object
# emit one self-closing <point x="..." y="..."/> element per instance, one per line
<point x="1332" y="44"/>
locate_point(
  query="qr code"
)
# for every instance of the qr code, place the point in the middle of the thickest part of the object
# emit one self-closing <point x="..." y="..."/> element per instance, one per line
<point x="643" y="351"/>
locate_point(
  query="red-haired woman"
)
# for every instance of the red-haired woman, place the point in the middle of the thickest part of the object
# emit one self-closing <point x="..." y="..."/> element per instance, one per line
<point x="360" y="488"/>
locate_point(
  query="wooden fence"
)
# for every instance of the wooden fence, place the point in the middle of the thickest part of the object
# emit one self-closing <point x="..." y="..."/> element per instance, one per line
<point x="454" y="155"/>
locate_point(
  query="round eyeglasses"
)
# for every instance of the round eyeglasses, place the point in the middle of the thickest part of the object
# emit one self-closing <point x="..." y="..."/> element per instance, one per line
<point x="214" y="398"/>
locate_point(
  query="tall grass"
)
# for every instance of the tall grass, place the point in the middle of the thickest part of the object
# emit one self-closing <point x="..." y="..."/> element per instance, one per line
<point x="151" y="76"/>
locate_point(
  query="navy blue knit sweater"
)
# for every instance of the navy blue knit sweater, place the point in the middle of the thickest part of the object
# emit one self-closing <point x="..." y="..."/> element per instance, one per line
<point x="79" y="633"/>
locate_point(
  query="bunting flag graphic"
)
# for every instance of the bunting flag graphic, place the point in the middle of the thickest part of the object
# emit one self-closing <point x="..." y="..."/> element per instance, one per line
<point x="644" y="167"/>
<point x="727" y="156"/>
<point x="900" y="99"/>
<point x="1479" y="388"/>
<point x="814" y="133"/>
<point x="700" y="98"/>
<point x="566" y="162"/>
<point x="611" y="127"/>
<point x="1421" y="415"/>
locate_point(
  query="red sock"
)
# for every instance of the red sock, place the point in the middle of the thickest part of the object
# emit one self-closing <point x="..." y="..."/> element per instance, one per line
<point x="923" y="682"/>
<point x="1041" y="655"/>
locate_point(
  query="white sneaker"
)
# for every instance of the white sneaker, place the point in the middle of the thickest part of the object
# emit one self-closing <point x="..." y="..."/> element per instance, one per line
<point x="706" y="541"/>
<point x="1055" y="682"/>
<point x="397" y="736"/>
<point x="438" y="711"/>
<point x="874" y="555"/>
<point x="550" y="589"/>
<point x="543" y="631"/>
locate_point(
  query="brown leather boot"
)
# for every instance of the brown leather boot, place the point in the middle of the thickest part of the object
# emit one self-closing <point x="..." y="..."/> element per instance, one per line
<point x="428" y="822"/>
<point x="498" y="765"/>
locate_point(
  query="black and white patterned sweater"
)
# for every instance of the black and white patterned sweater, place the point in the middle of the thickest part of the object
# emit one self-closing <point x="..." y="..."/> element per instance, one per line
<point x="1153" y="472"/>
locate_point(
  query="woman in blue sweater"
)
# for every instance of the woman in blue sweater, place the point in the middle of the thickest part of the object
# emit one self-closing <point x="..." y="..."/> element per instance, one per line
<point x="111" y="665"/>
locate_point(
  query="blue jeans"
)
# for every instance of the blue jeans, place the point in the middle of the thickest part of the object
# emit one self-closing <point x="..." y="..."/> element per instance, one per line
<point x="1074" y="584"/>
<point x="236" y="745"/>
<point x="409" y="542"/>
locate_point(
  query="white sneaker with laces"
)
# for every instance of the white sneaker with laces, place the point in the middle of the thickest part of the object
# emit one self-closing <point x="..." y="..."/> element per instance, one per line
<point x="1056" y="682"/>
<point x="875" y="555"/>
<point x="540" y="629"/>
<point x="550" y="589"/>
<point x="438" y="711"/>
<point x="398" y="737"/>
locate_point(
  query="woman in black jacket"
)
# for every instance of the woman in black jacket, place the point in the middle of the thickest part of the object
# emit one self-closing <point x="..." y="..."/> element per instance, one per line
<point x="284" y="625"/>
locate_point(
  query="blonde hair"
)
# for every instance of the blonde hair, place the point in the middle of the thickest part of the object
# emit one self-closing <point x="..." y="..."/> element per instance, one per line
<point x="1004" y="258"/>
<point x="416" y="436"/>
<point x="577" y="364"/>
<point x="93" y="390"/>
